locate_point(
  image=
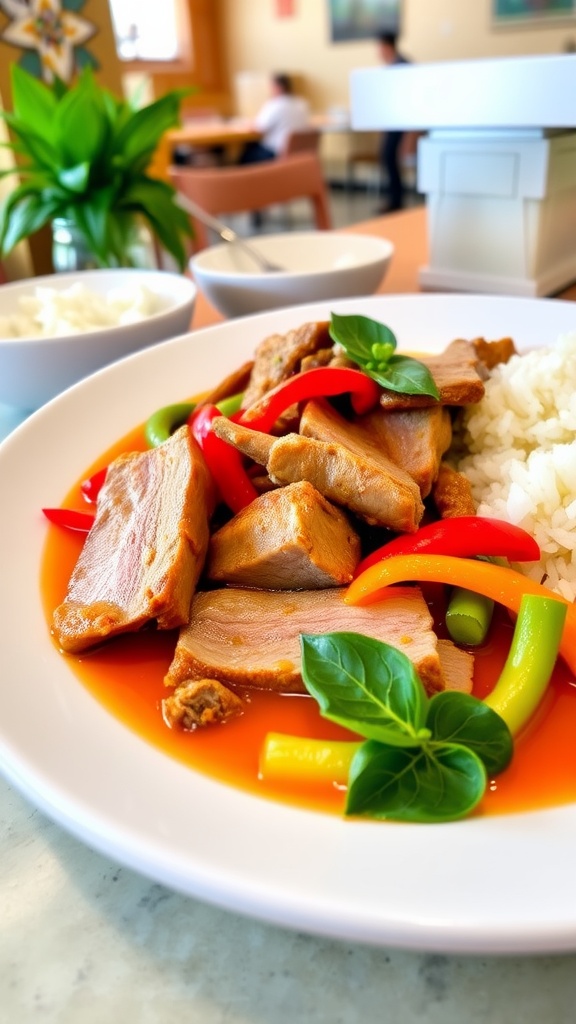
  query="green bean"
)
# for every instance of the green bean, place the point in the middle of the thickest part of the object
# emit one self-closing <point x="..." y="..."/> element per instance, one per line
<point x="468" y="617"/>
<point x="531" y="659"/>
<point x="165" y="421"/>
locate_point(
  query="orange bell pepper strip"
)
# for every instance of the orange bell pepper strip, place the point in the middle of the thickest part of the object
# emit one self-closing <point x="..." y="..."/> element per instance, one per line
<point x="494" y="581"/>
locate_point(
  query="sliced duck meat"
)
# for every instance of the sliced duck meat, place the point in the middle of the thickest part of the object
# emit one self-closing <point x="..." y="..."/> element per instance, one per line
<point x="251" y="638"/>
<point x="288" y="539"/>
<point x="201" y="702"/>
<point x="415" y="439"/>
<point x="360" y="478"/>
<point x="456" y="375"/>
<point x="280" y="355"/>
<point x="457" y="666"/>
<point x="452" y="493"/>
<point x="492" y="353"/>
<point x="233" y="384"/>
<point x="143" y="556"/>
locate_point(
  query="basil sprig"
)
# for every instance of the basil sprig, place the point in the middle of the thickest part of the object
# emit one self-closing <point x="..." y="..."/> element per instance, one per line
<point x="372" y="346"/>
<point x="424" y="759"/>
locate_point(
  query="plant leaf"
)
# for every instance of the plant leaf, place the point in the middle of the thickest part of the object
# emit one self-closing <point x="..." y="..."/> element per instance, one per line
<point x="439" y="782"/>
<point x="408" y="376"/>
<point x="81" y="123"/>
<point x="141" y="132"/>
<point x="461" y="718"/>
<point x="365" y="685"/>
<point x="24" y="213"/>
<point x="75" y="178"/>
<point x="33" y="102"/>
<point x="357" y="334"/>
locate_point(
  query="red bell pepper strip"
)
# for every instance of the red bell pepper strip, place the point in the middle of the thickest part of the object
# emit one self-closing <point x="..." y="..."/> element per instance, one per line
<point x="502" y="584"/>
<point x="92" y="486"/>
<point x="70" y="518"/>
<point x="224" y="462"/>
<point x="465" y="536"/>
<point x="320" y="382"/>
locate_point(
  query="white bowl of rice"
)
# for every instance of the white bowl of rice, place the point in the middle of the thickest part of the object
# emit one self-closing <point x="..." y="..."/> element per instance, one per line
<point x="57" y="329"/>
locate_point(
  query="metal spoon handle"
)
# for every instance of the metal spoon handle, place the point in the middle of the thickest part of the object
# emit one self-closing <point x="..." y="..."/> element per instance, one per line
<point x="225" y="232"/>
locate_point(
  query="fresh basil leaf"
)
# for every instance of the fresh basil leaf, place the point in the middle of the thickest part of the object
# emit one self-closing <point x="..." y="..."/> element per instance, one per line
<point x="461" y="718"/>
<point x="365" y="685"/>
<point x="358" y="334"/>
<point x="439" y="782"/>
<point x="407" y="376"/>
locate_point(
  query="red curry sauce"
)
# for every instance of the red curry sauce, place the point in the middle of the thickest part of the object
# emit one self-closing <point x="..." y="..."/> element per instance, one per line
<point x="126" y="677"/>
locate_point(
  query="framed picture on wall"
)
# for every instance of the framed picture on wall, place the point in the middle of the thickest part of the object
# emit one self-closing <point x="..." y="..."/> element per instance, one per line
<point x="512" y="12"/>
<point x="362" y="19"/>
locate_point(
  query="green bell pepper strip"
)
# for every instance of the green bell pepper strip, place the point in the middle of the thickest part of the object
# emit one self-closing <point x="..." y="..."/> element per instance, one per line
<point x="530" y="662"/>
<point x="468" y="617"/>
<point x="162" y="423"/>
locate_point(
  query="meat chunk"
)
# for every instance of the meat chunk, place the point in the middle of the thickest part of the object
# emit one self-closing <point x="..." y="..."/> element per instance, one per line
<point x="457" y="666"/>
<point x="233" y="384"/>
<point x="452" y="493"/>
<point x="143" y="556"/>
<point x="360" y="478"/>
<point x="200" y="702"/>
<point x="415" y="439"/>
<point x="287" y="539"/>
<point x="251" y="638"/>
<point x="455" y="373"/>
<point x="492" y="353"/>
<point x="280" y="355"/>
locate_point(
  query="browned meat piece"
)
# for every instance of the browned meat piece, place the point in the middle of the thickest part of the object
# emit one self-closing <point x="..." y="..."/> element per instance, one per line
<point x="287" y="539"/>
<point x="321" y="421"/>
<point x="280" y="355"/>
<point x="201" y="702"/>
<point x="455" y="373"/>
<point x="360" y="478"/>
<point x="457" y="666"/>
<point x="231" y="385"/>
<point x="146" y="549"/>
<point x="452" y="494"/>
<point x="251" y="638"/>
<point x="414" y="439"/>
<point x="491" y="353"/>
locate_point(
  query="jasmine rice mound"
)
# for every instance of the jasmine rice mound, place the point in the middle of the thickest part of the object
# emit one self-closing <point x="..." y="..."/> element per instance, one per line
<point x="521" y="440"/>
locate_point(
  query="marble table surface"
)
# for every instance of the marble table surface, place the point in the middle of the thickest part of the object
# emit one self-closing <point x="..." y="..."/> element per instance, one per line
<point x="83" y="940"/>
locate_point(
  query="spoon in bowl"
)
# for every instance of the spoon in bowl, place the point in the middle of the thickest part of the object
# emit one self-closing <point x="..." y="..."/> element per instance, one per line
<point x="226" y="232"/>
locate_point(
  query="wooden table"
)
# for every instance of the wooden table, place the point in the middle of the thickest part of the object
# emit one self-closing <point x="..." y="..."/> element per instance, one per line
<point x="407" y="230"/>
<point x="200" y="134"/>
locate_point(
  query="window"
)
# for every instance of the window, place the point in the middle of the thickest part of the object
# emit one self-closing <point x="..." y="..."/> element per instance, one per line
<point x="146" y="31"/>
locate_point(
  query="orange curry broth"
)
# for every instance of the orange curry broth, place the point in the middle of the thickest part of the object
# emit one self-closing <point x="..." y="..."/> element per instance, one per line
<point x="126" y="676"/>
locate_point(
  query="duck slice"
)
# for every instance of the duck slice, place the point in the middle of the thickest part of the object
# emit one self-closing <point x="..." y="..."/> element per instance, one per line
<point x="415" y="439"/>
<point x="291" y="538"/>
<point x="143" y="556"/>
<point x="357" y="476"/>
<point x="280" y="355"/>
<point x="251" y="638"/>
<point x="457" y="375"/>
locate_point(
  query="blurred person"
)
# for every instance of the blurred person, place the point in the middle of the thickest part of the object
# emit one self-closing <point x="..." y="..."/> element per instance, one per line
<point x="282" y="114"/>
<point x="392" y="140"/>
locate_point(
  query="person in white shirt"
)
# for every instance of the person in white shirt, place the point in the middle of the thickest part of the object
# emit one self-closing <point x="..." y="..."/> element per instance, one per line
<point x="281" y="114"/>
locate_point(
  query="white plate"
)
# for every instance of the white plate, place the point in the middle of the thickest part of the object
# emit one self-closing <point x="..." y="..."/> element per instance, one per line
<point x="501" y="884"/>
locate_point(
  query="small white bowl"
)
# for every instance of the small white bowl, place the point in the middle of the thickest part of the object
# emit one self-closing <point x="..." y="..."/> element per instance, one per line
<point x="35" y="369"/>
<point x="318" y="265"/>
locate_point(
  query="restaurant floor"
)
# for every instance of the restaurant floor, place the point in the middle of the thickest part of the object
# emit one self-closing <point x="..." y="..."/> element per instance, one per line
<point x="347" y="206"/>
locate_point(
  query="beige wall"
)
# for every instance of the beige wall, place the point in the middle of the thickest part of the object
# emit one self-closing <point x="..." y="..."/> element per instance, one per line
<point x="256" y="40"/>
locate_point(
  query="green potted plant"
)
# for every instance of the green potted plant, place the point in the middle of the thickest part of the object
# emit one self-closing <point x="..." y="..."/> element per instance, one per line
<point x="82" y="157"/>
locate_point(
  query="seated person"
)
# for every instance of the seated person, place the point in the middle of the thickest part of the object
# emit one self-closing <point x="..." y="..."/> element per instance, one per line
<point x="281" y="114"/>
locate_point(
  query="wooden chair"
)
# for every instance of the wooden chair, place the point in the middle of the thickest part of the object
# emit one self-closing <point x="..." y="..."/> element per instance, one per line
<point x="305" y="140"/>
<point x="253" y="187"/>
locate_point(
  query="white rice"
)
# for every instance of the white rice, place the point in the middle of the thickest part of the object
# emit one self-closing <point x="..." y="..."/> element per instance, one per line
<point x="51" y="312"/>
<point x="522" y="463"/>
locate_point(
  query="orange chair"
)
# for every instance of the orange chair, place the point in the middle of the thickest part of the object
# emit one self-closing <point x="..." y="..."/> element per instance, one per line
<point x="305" y="140"/>
<point x="252" y="187"/>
